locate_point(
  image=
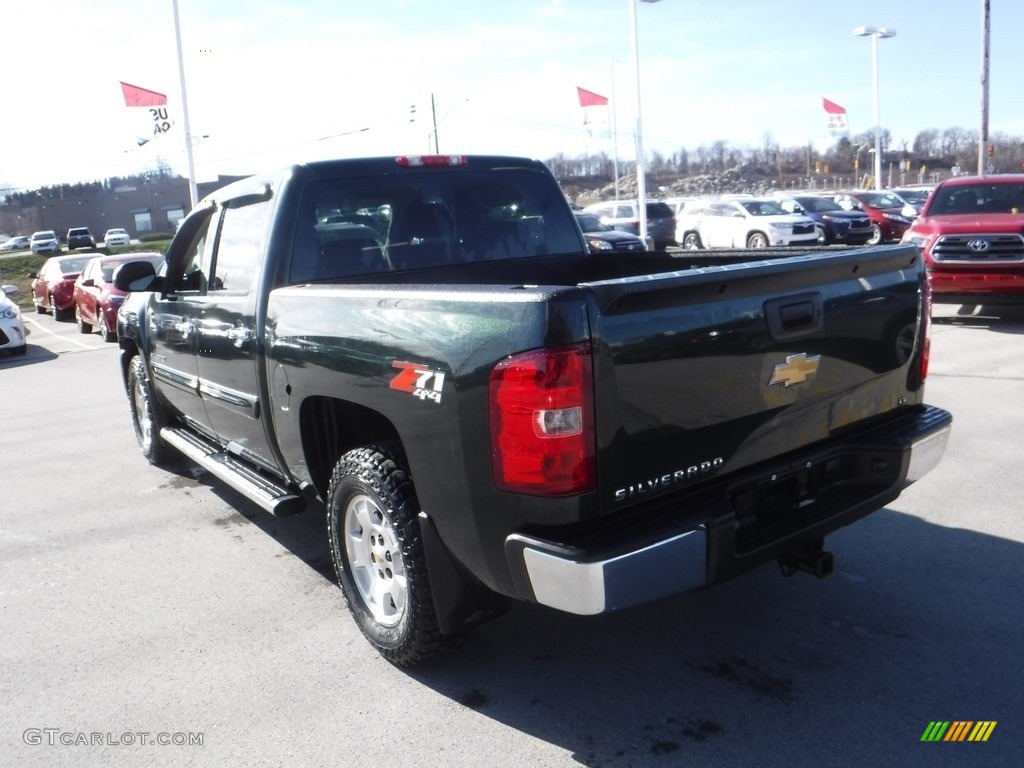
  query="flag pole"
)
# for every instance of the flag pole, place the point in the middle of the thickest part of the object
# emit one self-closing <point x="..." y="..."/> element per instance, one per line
<point x="193" y="190"/>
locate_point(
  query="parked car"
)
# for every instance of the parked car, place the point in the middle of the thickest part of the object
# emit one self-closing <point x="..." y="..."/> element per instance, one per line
<point x="116" y="237"/>
<point x="53" y="288"/>
<point x="970" y="232"/>
<point x="95" y="296"/>
<point x="12" y="328"/>
<point x="45" y="241"/>
<point x="624" y="215"/>
<point x="80" y="237"/>
<point x="602" y="238"/>
<point x="17" y="243"/>
<point x="832" y="223"/>
<point x="915" y="198"/>
<point x="885" y="209"/>
<point x="742" y="223"/>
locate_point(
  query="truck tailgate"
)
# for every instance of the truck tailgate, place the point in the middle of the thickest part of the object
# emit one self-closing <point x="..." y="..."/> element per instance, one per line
<point x="710" y="370"/>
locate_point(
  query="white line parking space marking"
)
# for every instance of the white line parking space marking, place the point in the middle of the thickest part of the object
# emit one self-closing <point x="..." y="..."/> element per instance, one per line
<point x="73" y="340"/>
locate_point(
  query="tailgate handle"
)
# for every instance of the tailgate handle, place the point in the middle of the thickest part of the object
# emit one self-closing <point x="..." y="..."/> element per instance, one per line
<point x="794" y="316"/>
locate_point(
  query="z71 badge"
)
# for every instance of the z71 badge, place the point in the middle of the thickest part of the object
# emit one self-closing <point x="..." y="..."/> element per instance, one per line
<point x="418" y="380"/>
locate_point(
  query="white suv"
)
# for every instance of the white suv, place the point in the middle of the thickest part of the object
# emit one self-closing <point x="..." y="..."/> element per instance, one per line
<point x="741" y="223"/>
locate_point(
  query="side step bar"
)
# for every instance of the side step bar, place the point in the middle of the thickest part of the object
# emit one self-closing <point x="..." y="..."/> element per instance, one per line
<point x="273" y="498"/>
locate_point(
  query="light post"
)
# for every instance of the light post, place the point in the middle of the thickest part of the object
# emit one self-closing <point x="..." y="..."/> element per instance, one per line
<point x="876" y="33"/>
<point x="641" y="191"/>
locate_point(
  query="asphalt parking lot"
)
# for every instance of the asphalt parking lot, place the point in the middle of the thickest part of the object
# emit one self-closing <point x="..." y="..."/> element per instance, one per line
<point x="154" y="617"/>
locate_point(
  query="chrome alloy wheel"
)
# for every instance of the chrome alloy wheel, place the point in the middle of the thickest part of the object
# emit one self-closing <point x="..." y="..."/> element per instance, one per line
<point x="376" y="562"/>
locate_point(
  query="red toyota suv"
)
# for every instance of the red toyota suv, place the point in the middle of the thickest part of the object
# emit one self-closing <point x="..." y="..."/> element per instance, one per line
<point x="971" y="232"/>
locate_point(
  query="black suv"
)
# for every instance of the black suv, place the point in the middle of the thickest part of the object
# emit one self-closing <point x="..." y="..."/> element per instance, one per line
<point x="80" y="237"/>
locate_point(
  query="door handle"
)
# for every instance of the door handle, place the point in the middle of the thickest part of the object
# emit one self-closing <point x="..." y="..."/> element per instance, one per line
<point x="240" y="336"/>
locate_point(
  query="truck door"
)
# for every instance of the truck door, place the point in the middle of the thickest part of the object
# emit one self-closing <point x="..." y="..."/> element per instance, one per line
<point x="172" y="320"/>
<point x="227" y="341"/>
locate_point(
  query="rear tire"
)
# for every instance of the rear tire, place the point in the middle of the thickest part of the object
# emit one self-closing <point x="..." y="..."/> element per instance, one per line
<point x="876" y="235"/>
<point x="148" y="416"/>
<point x="691" y="242"/>
<point x="757" y="240"/>
<point x="822" y="236"/>
<point x="378" y="555"/>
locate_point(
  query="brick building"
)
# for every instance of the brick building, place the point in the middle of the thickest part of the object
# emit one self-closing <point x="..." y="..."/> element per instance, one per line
<point x="141" y="206"/>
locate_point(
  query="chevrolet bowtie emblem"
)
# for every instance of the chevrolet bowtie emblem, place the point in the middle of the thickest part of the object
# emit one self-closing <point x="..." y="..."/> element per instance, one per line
<point x="795" y="370"/>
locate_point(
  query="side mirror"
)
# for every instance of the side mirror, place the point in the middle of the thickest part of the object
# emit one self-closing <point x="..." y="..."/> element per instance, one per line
<point x="32" y="275"/>
<point x="10" y="290"/>
<point x="89" y="283"/>
<point x="135" y="276"/>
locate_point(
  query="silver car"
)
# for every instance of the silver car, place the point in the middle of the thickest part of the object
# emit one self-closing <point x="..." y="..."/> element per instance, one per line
<point x="45" y="241"/>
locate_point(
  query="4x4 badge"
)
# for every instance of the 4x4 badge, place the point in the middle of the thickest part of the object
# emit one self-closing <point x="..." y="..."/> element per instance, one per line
<point x="795" y="370"/>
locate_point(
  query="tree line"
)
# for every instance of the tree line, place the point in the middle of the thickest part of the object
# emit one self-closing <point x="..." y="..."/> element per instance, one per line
<point x="932" y="151"/>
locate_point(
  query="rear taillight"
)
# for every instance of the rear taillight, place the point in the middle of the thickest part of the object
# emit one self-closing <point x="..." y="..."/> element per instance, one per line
<point x="431" y="161"/>
<point x="542" y="422"/>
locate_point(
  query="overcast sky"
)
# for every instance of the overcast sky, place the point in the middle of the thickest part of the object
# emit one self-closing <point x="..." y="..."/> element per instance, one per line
<point x="267" y="81"/>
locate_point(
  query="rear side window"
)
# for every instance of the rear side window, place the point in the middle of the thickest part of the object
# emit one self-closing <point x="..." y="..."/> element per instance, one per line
<point x="351" y="227"/>
<point x="659" y="211"/>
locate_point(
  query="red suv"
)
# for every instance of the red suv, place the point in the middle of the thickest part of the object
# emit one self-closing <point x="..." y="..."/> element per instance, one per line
<point x="971" y="232"/>
<point x="885" y="209"/>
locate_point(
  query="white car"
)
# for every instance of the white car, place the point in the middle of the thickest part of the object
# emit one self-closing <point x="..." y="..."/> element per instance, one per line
<point x="741" y="223"/>
<point x="12" y="329"/>
<point x="45" y="241"/>
<point x="116" y="237"/>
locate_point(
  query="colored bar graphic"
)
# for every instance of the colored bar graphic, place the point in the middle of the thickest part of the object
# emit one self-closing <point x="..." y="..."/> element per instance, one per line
<point x="958" y="730"/>
<point x="982" y="730"/>
<point x="935" y="731"/>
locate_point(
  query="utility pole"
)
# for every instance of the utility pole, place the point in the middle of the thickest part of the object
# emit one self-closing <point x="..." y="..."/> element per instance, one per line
<point x="986" y="30"/>
<point x="433" y="114"/>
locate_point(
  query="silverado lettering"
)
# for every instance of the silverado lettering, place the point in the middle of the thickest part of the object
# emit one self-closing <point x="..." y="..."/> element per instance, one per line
<point x="485" y="411"/>
<point x="688" y="475"/>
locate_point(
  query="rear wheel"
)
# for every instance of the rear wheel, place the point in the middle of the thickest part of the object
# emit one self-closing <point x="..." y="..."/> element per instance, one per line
<point x="876" y="235"/>
<point x="378" y="555"/>
<point x="757" y="240"/>
<point x="819" y="230"/>
<point x="691" y="242"/>
<point x="148" y="416"/>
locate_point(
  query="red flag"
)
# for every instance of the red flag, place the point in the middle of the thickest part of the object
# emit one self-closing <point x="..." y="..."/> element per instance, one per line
<point x="832" y="108"/>
<point x="591" y="99"/>
<point x="835" y="118"/>
<point x="141" y="97"/>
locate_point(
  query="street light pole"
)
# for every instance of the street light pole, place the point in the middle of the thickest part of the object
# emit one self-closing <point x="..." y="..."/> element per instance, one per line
<point x="641" y="191"/>
<point x="876" y="33"/>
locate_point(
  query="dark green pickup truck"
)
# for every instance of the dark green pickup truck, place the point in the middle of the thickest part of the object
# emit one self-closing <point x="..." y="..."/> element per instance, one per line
<point x="489" y="412"/>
